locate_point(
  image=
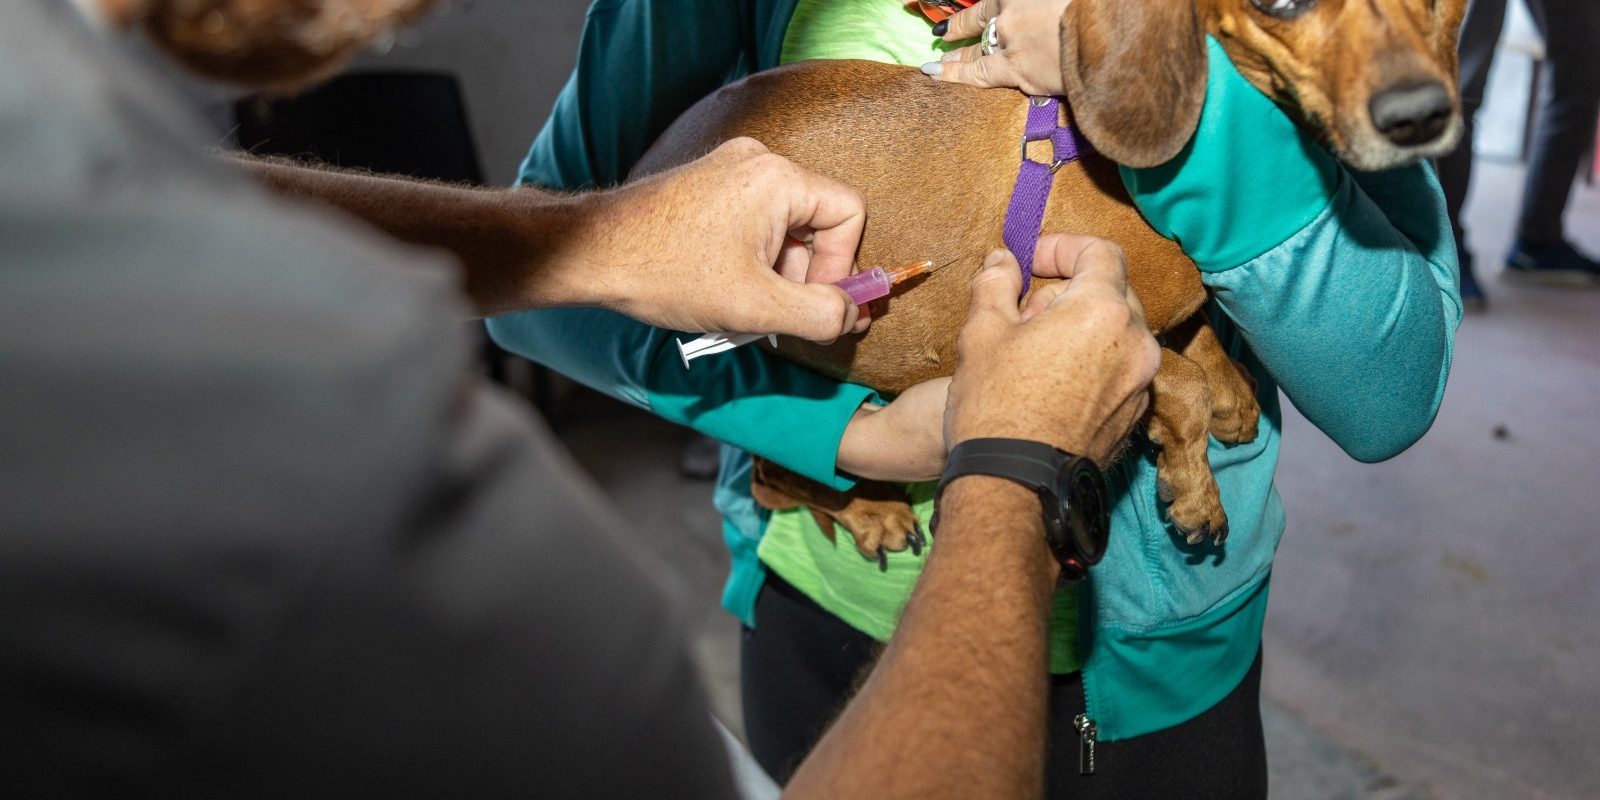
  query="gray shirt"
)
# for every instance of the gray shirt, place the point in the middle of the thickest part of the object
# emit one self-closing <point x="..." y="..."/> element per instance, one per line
<point x="262" y="533"/>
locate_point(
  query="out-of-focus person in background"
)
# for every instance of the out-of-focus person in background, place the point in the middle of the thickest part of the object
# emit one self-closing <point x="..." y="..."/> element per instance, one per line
<point x="1541" y="253"/>
<point x="264" y="533"/>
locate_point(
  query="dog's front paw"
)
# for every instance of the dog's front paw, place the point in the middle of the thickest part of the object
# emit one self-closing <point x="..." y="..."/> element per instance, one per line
<point x="880" y="527"/>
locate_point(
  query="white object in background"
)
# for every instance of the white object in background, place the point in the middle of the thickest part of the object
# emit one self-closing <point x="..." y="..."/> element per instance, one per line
<point x="718" y="343"/>
<point x="1506" y="116"/>
<point x="751" y="780"/>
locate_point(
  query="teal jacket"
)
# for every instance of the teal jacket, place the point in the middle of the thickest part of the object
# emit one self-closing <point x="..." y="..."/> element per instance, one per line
<point x="1337" y="287"/>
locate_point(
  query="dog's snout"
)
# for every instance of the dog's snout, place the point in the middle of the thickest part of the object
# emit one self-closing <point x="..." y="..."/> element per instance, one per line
<point x="1411" y="114"/>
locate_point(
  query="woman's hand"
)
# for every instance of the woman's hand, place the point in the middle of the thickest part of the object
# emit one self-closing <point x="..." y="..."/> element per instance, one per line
<point x="902" y="441"/>
<point x="1026" y="53"/>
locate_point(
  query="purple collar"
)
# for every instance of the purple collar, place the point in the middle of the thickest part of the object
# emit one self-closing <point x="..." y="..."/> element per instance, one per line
<point x="1025" y="214"/>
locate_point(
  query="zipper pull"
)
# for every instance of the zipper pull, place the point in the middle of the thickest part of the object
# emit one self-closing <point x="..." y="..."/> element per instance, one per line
<point x="1086" y="740"/>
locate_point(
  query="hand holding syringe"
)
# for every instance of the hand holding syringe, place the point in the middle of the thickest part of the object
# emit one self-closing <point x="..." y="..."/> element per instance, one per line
<point x="863" y="287"/>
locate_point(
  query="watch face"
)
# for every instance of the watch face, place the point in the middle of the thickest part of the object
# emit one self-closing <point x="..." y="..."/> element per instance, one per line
<point x="1081" y="490"/>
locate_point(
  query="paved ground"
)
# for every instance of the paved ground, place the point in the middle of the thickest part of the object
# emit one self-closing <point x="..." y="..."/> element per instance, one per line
<point x="1437" y="612"/>
<point x="1430" y="617"/>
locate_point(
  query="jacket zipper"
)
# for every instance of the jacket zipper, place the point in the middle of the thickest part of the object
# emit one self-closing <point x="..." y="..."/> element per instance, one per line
<point x="1087" y="736"/>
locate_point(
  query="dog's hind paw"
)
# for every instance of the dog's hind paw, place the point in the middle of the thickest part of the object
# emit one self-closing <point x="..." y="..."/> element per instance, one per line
<point x="880" y="527"/>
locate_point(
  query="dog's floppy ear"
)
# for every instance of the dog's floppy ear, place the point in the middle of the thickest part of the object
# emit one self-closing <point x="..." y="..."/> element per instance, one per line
<point x="1446" y="33"/>
<point x="1135" y="73"/>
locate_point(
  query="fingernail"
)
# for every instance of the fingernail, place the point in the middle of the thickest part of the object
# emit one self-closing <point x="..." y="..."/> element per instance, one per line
<point x="932" y="69"/>
<point x="951" y="55"/>
<point x="940" y="27"/>
<point x="995" y="257"/>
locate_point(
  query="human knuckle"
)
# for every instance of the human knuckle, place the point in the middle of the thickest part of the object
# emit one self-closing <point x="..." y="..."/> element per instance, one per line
<point x="744" y="145"/>
<point x="1113" y="320"/>
<point x="773" y="165"/>
<point x="1150" y="356"/>
<point x="1105" y="249"/>
<point x="1108" y="310"/>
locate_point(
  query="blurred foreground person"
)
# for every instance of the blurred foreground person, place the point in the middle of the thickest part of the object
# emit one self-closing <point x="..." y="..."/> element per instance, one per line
<point x="263" y="532"/>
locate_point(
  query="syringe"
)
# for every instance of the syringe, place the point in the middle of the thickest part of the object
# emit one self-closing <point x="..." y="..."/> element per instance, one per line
<point x="869" y="285"/>
<point x="863" y="287"/>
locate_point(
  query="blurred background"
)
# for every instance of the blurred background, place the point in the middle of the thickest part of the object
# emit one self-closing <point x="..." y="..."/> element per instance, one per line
<point x="1433" y="615"/>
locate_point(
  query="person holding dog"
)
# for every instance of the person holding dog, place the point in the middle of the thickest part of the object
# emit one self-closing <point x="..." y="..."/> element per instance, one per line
<point x="1336" y="285"/>
<point x="266" y="534"/>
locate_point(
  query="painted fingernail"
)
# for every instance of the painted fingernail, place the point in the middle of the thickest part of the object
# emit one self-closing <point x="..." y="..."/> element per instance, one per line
<point x="940" y="27"/>
<point x="932" y="69"/>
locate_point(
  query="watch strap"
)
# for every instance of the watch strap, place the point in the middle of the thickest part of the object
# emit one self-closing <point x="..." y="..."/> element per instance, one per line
<point x="1075" y="538"/>
<point x="1032" y="464"/>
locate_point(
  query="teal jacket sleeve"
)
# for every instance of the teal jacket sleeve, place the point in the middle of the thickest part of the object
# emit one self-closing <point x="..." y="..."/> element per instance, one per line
<point x="744" y="397"/>
<point x="641" y="64"/>
<point x="1342" y="283"/>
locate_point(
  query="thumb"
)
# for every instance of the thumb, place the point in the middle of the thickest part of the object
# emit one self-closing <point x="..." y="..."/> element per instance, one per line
<point x="997" y="286"/>
<point x="819" y="312"/>
<point x="994" y="297"/>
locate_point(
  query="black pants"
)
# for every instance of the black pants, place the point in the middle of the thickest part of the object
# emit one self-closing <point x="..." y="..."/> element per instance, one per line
<point x="801" y="665"/>
<point x="1568" y="102"/>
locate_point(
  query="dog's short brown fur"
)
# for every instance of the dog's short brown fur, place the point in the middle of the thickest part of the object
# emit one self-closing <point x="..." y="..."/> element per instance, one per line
<point x="937" y="163"/>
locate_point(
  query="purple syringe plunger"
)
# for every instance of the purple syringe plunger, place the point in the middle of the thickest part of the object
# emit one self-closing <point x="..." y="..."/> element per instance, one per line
<point x="864" y="287"/>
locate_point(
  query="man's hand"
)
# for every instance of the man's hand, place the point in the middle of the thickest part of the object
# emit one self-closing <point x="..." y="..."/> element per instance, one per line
<point x="740" y="241"/>
<point x="1071" y="369"/>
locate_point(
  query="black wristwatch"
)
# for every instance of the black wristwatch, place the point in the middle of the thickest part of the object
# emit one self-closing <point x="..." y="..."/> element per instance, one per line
<point x="1071" y="489"/>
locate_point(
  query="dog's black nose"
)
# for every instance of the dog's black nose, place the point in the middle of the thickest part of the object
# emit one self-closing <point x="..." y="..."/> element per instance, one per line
<point x="1411" y="114"/>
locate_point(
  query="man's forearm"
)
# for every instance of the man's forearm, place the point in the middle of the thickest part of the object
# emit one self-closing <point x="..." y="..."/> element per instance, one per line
<point x="956" y="705"/>
<point x="509" y="242"/>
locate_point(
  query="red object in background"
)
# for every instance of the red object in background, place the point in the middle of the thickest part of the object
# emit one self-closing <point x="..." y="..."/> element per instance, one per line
<point x="940" y="11"/>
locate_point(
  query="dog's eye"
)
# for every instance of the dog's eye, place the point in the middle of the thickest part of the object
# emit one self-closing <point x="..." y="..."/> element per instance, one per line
<point x="1283" y="9"/>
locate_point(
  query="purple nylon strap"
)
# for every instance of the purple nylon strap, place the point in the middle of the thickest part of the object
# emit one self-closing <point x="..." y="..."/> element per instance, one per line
<point x="1025" y="214"/>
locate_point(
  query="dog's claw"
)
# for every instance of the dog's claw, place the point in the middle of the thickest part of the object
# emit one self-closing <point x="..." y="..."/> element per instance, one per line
<point x="1199" y="534"/>
<point x="1221" y="534"/>
<point x="916" y="538"/>
<point x="883" y="560"/>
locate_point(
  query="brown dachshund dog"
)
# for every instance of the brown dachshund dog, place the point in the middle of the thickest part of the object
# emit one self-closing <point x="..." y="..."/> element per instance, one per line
<point x="1374" y="80"/>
